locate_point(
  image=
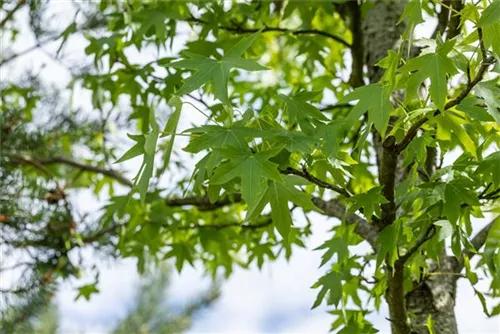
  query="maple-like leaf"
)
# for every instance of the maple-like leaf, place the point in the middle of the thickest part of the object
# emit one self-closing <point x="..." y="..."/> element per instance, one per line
<point x="437" y="67"/>
<point x="369" y="201"/>
<point x="490" y="15"/>
<point x="373" y="99"/>
<point x="251" y="169"/>
<point x="302" y="112"/>
<point x="217" y="70"/>
<point x="278" y="194"/>
<point x="490" y="92"/>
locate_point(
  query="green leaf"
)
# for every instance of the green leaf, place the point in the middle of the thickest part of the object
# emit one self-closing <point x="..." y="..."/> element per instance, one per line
<point x="435" y="66"/>
<point x="331" y="136"/>
<point x="171" y="128"/>
<point x="252" y="170"/>
<point x="278" y="194"/>
<point x="483" y="301"/>
<point x="280" y="212"/>
<point x="492" y="245"/>
<point x="388" y="243"/>
<point x="239" y="48"/>
<point x="173" y="121"/>
<point x="369" y="201"/>
<point x="300" y="111"/>
<point x="374" y="99"/>
<point x="296" y="141"/>
<point x="470" y="105"/>
<point x="182" y="253"/>
<point x="390" y="63"/>
<point x="430" y="324"/>
<point x="490" y="92"/>
<point x="455" y="194"/>
<point x="491" y="14"/>
<point x="490" y="37"/>
<point x="146" y="170"/>
<point x="217" y="71"/>
<point x="330" y="284"/>
<point x="412" y="12"/>
<point x="446" y="229"/>
<point x="472" y="276"/>
<point x="453" y="124"/>
<point x="135" y="150"/>
<point x="334" y="246"/>
<point x="86" y="291"/>
<point x="65" y="34"/>
<point x="215" y="136"/>
<point x="490" y="169"/>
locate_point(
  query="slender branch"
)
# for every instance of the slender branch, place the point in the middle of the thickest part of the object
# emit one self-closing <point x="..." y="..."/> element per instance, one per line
<point x="428" y="234"/>
<point x="265" y="223"/>
<point x="304" y="173"/>
<point x="89" y="168"/>
<point x="242" y="30"/>
<point x="387" y="178"/>
<point x="477" y="241"/>
<point x="442" y="21"/>
<point x="199" y="100"/>
<point x="396" y="299"/>
<point x="335" y="106"/>
<point x="203" y="202"/>
<point x="357" y="49"/>
<point x="25" y="160"/>
<point x="491" y="195"/>
<point x="112" y="229"/>
<point x="40" y="43"/>
<point x="40" y="163"/>
<point x="334" y="208"/>
<point x="98" y="235"/>
<point x="11" y="13"/>
<point x="454" y="22"/>
<point x="30" y="49"/>
<point x="481" y="43"/>
<point x="412" y="132"/>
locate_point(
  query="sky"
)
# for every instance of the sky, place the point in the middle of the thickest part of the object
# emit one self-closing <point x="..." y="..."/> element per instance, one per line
<point x="276" y="299"/>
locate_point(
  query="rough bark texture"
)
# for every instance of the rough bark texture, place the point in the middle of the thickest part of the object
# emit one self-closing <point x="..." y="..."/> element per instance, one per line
<point x="435" y="295"/>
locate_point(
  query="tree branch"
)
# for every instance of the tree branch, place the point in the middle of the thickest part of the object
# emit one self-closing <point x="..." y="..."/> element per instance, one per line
<point x="357" y="49"/>
<point x="387" y="178"/>
<point x="202" y="202"/>
<point x="40" y="163"/>
<point x="265" y="223"/>
<point x="477" y="241"/>
<point x="242" y="30"/>
<point x="412" y="132"/>
<point x="333" y="208"/>
<point x="304" y="173"/>
<point x="30" y="49"/>
<point x="11" y="13"/>
<point x="428" y="234"/>
<point x="88" y="168"/>
<point x="112" y="229"/>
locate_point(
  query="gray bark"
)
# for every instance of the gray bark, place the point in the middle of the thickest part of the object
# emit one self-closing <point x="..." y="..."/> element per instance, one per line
<point x="435" y="295"/>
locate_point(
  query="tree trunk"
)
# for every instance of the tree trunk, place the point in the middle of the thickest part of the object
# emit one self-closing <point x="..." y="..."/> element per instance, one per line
<point x="434" y="297"/>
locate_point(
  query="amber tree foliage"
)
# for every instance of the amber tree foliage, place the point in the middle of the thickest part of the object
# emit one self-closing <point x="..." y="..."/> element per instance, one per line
<point x="244" y="118"/>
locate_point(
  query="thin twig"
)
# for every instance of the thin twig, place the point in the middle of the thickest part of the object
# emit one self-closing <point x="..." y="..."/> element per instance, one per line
<point x="428" y="234"/>
<point x="304" y="173"/>
<point x="11" y="13"/>
<point x="412" y="132"/>
<point x="242" y="30"/>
